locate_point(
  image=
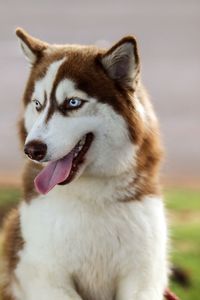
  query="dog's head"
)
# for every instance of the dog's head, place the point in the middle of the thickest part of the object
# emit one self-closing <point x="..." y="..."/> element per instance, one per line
<point x="83" y="112"/>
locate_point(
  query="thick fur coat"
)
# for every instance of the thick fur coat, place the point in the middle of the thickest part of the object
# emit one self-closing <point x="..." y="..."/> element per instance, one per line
<point x="100" y="234"/>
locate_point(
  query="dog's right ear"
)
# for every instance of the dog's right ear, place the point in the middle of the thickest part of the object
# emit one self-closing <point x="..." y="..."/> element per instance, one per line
<point x="31" y="47"/>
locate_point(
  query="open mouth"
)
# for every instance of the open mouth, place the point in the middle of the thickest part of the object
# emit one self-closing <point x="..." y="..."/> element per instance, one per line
<point x="64" y="170"/>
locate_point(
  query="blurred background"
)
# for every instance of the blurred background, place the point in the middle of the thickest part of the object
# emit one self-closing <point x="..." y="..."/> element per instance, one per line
<point x="169" y="41"/>
<point x="168" y="34"/>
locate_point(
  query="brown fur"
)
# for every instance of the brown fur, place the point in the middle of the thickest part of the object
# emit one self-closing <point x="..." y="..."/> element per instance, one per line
<point x="31" y="170"/>
<point x="12" y="244"/>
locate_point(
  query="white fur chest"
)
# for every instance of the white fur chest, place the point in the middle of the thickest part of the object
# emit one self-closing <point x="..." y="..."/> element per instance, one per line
<point x="67" y="231"/>
<point x="94" y="244"/>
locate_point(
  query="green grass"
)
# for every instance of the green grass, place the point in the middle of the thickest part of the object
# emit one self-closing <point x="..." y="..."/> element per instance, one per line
<point x="184" y="206"/>
<point x="8" y="196"/>
<point x="184" y="209"/>
<point x="183" y="199"/>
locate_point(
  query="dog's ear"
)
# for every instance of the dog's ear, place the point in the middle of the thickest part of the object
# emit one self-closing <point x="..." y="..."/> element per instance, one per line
<point x="121" y="61"/>
<point x="31" y="47"/>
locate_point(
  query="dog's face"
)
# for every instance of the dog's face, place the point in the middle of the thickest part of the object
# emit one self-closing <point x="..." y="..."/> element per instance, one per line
<point x="81" y="113"/>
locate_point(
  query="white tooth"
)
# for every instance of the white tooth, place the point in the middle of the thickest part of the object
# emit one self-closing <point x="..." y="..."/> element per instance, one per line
<point x="82" y="142"/>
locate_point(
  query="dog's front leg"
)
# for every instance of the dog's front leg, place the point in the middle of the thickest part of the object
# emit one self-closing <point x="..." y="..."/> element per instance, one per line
<point x="130" y="289"/>
<point x="49" y="293"/>
<point x="41" y="290"/>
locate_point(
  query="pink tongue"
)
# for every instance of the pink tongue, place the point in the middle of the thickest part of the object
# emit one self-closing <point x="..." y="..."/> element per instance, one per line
<point x="56" y="172"/>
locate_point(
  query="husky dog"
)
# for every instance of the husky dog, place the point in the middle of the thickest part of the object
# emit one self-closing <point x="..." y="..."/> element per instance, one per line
<point x="92" y="224"/>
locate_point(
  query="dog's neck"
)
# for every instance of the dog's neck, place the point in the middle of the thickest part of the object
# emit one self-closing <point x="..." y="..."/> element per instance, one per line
<point x="98" y="189"/>
<point x="127" y="186"/>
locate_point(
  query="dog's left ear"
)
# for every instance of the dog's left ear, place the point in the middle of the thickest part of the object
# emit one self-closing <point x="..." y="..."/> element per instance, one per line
<point x="31" y="47"/>
<point x="121" y="62"/>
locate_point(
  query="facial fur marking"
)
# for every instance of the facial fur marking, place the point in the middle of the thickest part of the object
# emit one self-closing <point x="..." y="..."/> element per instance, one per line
<point x="38" y="106"/>
<point x="52" y="98"/>
<point x="62" y="89"/>
<point x="51" y="75"/>
<point x="45" y="99"/>
<point x="67" y="89"/>
<point x="43" y="87"/>
<point x="45" y="83"/>
<point x="51" y="109"/>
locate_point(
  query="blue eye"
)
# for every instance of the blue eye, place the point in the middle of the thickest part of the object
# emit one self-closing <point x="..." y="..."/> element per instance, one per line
<point x="74" y="102"/>
<point x="70" y="104"/>
<point x="38" y="105"/>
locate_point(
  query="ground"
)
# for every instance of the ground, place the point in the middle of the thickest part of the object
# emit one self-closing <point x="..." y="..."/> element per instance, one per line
<point x="184" y="218"/>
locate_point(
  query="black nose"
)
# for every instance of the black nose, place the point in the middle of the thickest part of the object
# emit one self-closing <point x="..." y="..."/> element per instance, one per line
<point x="36" y="150"/>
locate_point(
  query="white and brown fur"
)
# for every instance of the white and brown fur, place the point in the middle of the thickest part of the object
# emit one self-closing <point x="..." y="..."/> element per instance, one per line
<point x="103" y="236"/>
